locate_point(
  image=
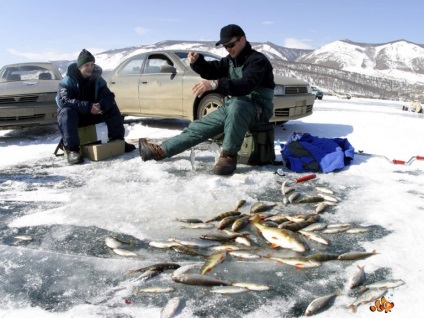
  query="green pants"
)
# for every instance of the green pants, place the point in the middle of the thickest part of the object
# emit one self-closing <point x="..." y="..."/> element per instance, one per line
<point x="233" y="119"/>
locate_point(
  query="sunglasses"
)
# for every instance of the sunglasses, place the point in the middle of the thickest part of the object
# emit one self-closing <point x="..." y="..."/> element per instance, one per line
<point x="231" y="44"/>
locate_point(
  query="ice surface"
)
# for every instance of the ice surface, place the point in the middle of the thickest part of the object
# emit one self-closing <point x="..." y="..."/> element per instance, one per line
<point x="67" y="270"/>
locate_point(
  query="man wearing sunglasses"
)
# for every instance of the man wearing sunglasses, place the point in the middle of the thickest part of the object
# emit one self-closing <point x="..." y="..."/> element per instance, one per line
<point x="245" y="77"/>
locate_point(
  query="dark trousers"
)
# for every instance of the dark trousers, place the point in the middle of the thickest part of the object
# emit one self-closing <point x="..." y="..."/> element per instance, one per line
<point x="69" y="120"/>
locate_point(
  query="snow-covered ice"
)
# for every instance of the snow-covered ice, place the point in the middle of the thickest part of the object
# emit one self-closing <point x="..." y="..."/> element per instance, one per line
<point x="68" y="271"/>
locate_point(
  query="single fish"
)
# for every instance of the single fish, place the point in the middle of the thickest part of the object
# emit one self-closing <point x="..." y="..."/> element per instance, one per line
<point x="198" y="279"/>
<point x="196" y="226"/>
<point x="368" y="296"/>
<point x="321" y="207"/>
<point x="219" y="217"/>
<point x="279" y="218"/>
<point x="187" y="250"/>
<point x="261" y="207"/>
<point x="229" y="290"/>
<point x="328" y="197"/>
<point x="244" y="255"/>
<point x="311" y="199"/>
<point x="251" y="286"/>
<point x="292" y="197"/>
<point x="388" y="283"/>
<point x="355" y="255"/>
<point x="188" y="269"/>
<point x="286" y="189"/>
<point x="154" y="290"/>
<point x="158" y="267"/>
<point x="228" y="248"/>
<point x="124" y="252"/>
<point x="114" y="242"/>
<point x="317" y="226"/>
<point x="320" y="303"/>
<point x="244" y="240"/>
<point x="240" y="204"/>
<point x="189" y="220"/>
<point x="323" y="257"/>
<point x="314" y="237"/>
<point x="162" y="244"/>
<point x="334" y="230"/>
<point x="297" y="262"/>
<point x="195" y="242"/>
<point x="324" y="190"/>
<point x="171" y="308"/>
<point x="280" y="237"/>
<point x="358" y="278"/>
<point x="220" y="237"/>
<point x="212" y="261"/>
<point x="357" y="230"/>
<point x="148" y="274"/>
<point x="296" y="226"/>
<point x="240" y="223"/>
<point x="23" y="237"/>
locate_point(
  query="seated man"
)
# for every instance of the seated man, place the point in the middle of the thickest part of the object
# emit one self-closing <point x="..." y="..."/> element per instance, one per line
<point x="84" y="99"/>
<point x="245" y="76"/>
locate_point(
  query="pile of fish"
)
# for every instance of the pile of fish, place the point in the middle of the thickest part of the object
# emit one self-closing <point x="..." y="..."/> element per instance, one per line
<point x="255" y="235"/>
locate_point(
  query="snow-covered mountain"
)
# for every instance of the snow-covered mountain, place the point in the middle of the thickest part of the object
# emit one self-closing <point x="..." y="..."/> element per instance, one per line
<point x="393" y="70"/>
<point x="394" y="60"/>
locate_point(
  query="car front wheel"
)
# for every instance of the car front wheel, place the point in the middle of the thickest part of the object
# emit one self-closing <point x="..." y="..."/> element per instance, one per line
<point x="208" y="104"/>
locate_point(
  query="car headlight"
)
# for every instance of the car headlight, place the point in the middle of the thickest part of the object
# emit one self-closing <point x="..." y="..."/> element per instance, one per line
<point x="279" y="90"/>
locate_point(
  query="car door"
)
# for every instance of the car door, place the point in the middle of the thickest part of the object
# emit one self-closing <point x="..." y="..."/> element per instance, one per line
<point x="161" y="87"/>
<point x="125" y="82"/>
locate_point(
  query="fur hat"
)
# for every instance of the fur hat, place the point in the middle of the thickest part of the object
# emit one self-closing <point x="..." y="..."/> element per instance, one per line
<point x="84" y="57"/>
<point x="228" y="32"/>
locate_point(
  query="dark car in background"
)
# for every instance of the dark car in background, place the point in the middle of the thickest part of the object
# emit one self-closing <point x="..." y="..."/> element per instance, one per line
<point x="318" y="94"/>
<point x="27" y="94"/>
<point x="159" y="84"/>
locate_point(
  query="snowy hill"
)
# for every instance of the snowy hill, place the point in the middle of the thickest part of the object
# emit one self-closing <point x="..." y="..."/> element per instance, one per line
<point x="393" y="70"/>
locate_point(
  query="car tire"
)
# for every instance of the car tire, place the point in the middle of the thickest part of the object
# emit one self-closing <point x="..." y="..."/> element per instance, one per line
<point x="320" y="98"/>
<point x="208" y="104"/>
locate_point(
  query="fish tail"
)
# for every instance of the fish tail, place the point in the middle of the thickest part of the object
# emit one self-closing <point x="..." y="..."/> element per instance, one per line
<point x="353" y="308"/>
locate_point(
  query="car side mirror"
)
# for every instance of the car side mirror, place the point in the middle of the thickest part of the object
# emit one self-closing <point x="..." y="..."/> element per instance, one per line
<point x="168" y="69"/>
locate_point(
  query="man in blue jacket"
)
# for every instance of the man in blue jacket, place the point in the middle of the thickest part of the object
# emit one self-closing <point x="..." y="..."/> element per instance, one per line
<point x="83" y="99"/>
<point x="245" y="76"/>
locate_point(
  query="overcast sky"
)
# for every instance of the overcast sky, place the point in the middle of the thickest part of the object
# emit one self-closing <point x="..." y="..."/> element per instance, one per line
<point x="55" y="30"/>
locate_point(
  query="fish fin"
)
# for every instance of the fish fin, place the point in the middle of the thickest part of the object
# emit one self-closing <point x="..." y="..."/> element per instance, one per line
<point x="298" y="266"/>
<point x="273" y="245"/>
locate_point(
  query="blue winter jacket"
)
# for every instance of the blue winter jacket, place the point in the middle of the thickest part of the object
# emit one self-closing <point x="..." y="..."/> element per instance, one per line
<point x="304" y="152"/>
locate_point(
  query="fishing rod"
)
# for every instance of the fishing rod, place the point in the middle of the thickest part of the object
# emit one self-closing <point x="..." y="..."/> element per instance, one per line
<point x="393" y="161"/>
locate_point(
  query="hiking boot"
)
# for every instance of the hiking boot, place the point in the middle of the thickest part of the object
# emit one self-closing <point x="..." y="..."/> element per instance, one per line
<point x="129" y="147"/>
<point x="150" y="151"/>
<point x="226" y="164"/>
<point x="74" y="157"/>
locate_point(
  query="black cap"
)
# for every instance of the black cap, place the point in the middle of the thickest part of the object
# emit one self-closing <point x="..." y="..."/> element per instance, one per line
<point x="228" y="32"/>
<point x="84" y="57"/>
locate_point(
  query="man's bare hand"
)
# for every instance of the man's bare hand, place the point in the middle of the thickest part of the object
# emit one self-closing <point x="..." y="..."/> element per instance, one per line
<point x="192" y="57"/>
<point x="200" y="88"/>
<point x="95" y="109"/>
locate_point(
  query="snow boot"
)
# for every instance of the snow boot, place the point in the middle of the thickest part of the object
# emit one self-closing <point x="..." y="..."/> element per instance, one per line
<point x="129" y="147"/>
<point x="226" y="164"/>
<point x="150" y="151"/>
<point x="74" y="157"/>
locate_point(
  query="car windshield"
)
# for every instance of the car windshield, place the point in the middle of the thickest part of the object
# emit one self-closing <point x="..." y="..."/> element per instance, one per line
<point x="208" y="57"/>
<point x="26" y="73"/>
